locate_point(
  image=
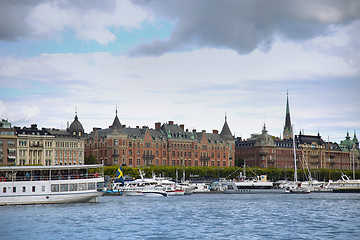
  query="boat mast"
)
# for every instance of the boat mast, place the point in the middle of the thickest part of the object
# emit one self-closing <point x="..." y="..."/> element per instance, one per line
<point x="353" y="168"/>
<point x="295" y="173"/>
<point x="329" y="158"/>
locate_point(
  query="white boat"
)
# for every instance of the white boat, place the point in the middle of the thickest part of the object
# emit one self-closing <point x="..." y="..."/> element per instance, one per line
<point x="200" y="187"/>
<point x="295" y="187"/>
<point x="154" y="192"/>
<point x="136" y="187"/>
<point x="251" y="186"/>
<point x="50" y="184"/>
<point x="259" y="184"/>
<point x="345" y="185"/>
<point x="142" y="187"/>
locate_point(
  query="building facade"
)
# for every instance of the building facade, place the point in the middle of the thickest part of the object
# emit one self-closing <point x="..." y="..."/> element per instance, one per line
<point x="7" y="143"/>
<point x="35" y="146"/>
<point x="312" y="152"/>
<point x="51" y="146"/>
<point x="166" y="144"/>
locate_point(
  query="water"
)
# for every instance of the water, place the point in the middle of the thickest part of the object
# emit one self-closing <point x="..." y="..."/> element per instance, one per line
<point x="198" y="216"/>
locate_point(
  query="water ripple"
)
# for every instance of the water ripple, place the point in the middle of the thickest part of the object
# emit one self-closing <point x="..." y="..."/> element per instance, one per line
<point x="208" y="216"/>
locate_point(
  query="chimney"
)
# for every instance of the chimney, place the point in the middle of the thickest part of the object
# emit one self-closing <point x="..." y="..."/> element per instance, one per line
<point x="33" y="126"/>
<point x="215" y="131"/>
<point x="157" y="126"/>
<point x="137" y="127"/>
<point x="203" y="131"/>
<point x="123" y="126"/>
<point x="194" y="130"/>
<point x="182" y="126"/>
<point x="171" y="122"/>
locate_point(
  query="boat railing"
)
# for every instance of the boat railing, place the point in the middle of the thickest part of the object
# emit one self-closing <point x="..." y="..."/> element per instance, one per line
<point x="16" y="178"/>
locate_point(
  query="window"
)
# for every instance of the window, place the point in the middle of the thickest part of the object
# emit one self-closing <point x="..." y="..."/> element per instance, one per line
<point x="33" y="188"/>
<point x="43" y="188"/>
<point x="11" y="143"/>
<point x="4" y="189"/>
<point x="14" y="189"/>
<point x="91" y="186"/>
<point x="24" y="189"/>
<point x="54" y="187"/>
<point x="82" y="186"/>
<point x="73" y="186"/>
<point x="64" y="187"/>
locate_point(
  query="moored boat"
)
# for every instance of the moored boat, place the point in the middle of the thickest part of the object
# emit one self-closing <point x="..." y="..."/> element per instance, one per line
<point x="50" y="184"/>
<point x="251" y="186"/>
<point x="345" y="185"/>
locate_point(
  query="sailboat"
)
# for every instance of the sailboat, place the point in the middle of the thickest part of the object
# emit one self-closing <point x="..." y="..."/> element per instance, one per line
<point x="296" y="186"/>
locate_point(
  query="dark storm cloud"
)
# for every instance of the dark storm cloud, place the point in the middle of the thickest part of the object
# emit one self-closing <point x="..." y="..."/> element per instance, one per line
<point x="13" y="15"/>
<point x="14" y="22"/>
<point x="243" y="25"/>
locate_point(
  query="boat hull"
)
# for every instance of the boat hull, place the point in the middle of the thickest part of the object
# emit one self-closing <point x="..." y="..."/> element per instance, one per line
<point x="357" y="190"/>
<point x="154" y="193"/>
<point x="253" y="191"/>
<point x="51" y="198"/>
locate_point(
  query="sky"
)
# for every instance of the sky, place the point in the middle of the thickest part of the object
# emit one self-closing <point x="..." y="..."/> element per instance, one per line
<point x="191" y="61"/>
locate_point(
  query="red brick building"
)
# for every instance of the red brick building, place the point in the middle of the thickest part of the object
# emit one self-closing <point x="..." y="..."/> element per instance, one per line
<point x="265" y="151"/>
<point x="7" y="143"/>
<point x="166" y="144"/>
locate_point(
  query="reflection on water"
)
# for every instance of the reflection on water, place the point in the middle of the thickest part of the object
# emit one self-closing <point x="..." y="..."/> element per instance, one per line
<point x="203" y="216"/>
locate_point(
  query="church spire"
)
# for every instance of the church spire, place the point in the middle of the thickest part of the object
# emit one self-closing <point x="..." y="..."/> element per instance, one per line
<point x="288" y="131"/>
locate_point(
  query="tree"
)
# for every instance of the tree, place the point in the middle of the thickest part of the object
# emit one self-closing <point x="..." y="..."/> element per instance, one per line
<point x="91" y="159"/>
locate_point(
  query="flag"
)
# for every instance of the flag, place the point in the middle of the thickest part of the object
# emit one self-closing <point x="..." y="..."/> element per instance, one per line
<point x="120" y="174"/>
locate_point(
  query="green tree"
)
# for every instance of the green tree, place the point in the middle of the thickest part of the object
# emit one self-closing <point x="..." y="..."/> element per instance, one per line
<point x="91" y="159"/>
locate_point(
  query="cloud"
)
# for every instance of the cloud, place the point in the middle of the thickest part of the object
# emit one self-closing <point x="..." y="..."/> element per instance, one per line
<point x="89" y="20"/>
<point x="187" y="87"/>
<point x="243" y="25"/>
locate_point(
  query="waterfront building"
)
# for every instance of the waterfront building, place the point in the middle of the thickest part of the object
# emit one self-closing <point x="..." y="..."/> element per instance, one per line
<point x="264" y="150"/>
<point x="7" y="143"/>
<point x="166" y="144"/>
<point x="49" y="146"/>
<point x="69" y="144"/>
<point x="35" y="146"/>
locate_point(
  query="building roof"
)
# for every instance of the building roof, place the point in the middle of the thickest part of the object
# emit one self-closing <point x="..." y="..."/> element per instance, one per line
<point x="287" y="117"/>
<point x="308" y="139"/>
<point x="225" y="132"/>
<point x="116" y="123"/>
<point x="76" y="127"/>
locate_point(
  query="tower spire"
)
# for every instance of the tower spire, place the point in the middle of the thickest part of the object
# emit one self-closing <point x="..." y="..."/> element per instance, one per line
<point x="288" y="131"/>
